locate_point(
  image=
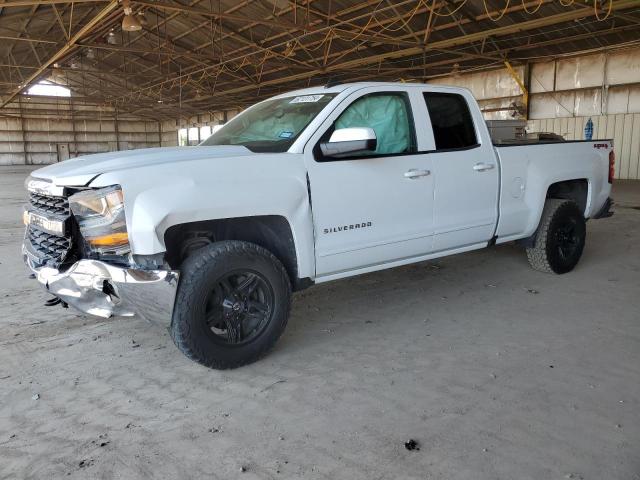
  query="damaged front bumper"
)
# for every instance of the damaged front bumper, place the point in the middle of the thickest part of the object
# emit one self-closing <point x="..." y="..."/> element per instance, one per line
<point x="104" y="290"/>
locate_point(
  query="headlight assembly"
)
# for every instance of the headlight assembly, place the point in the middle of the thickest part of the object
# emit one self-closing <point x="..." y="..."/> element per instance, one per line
<point x="100" y="216"/>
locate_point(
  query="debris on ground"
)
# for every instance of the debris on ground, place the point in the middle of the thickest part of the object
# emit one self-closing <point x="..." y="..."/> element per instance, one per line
<point x="135" y="344"/>
<point x="411" y="444"/>
<point x="533" y="291"/>
<point x="102" y="443"/>
<point x="85" y="463"/>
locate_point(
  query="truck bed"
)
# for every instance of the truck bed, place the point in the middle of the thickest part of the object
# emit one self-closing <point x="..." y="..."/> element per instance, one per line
<point x="529" y="169"/>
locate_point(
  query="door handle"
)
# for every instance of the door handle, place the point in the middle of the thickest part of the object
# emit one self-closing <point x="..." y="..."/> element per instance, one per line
<point x="414" y="173"/>
<point x="481" y="167"/>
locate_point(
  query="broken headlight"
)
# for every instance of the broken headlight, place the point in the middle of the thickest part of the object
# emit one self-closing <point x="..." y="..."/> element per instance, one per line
<point x="100" y="216"/>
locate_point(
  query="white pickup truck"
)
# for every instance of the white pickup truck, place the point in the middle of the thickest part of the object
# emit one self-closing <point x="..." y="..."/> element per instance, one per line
<point x="306" y="187"/>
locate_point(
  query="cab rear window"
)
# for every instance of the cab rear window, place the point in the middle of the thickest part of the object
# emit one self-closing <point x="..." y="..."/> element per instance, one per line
<point x="451" y="121"/>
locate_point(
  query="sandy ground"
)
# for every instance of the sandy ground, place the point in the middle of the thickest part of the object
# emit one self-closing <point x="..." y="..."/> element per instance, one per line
<point x="498" y="371"/>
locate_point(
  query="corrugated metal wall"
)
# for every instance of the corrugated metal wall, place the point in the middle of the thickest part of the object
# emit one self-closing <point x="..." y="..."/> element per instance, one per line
<point x="565" y="92"/>
<point x="605" y="87"/>
<point x="46" y="131"/>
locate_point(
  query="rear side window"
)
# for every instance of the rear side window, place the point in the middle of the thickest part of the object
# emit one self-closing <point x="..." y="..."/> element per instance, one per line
<point x="451" y="120"/>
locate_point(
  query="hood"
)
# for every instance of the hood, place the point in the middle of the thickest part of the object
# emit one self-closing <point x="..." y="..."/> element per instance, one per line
<point x="82" y="170"/>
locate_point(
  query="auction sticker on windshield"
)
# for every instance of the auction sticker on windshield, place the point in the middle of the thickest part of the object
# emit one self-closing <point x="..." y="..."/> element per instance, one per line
<point x="306" y="99"/>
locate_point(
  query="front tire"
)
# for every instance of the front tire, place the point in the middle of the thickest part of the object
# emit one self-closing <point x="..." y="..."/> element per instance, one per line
<point x="559" y="239"/>
<point x="232" y="304"/>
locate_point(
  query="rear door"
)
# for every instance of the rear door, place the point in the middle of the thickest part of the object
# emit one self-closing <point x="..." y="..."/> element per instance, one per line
<point x="375" y="208"/>
<point x="466" y="173"/>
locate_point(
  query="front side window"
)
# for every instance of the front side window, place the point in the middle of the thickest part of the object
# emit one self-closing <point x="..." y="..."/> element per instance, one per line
<point x="451" y="120"/>
<point x="389" y="115"/>
<point x="272" y="125"/>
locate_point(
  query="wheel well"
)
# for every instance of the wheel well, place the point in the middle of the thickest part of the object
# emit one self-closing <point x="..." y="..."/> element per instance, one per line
<point x="270" y="231"/>
<point x="576" y="190"/>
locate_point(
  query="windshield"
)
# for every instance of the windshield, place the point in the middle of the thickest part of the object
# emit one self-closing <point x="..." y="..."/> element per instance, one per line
<point x="271" y="126"/>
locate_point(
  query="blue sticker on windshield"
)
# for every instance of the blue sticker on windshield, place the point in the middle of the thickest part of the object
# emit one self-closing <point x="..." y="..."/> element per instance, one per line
<point x="285" y="134"/>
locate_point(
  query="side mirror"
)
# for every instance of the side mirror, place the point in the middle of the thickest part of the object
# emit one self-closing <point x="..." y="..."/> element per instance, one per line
<point x="350" y="141"/>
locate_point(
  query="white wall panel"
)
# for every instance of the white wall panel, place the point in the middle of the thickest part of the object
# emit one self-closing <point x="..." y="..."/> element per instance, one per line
<point x="618" y="131"/>
<point x="624" y="153"/>
<point x="634" y="99"/>
<point x="617" y="100"/>
<point x="623" y="67"/>
<point x="486" y="85"/>
<point x="542" y="77"/>
<point x="551" y="105"/>
<point x="588" y="103"/>
<point x="580" y="72"/>
<point x="634" y="163"/>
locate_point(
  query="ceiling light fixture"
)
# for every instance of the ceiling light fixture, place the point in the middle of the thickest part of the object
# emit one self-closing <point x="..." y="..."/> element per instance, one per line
<point x="129" y="23"/>
<point x="111" y="38"/>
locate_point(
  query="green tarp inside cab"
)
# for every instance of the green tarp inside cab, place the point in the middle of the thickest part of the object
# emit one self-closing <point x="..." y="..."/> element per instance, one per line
<point x="386" y="115"/>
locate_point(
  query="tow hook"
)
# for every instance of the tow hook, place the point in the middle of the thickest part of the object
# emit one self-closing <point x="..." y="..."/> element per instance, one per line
<point x="55" y="301"/>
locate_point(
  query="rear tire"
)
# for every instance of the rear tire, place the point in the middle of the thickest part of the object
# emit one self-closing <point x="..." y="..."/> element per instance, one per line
<point x="232" y="304"/>
<point x="560" y="238"/>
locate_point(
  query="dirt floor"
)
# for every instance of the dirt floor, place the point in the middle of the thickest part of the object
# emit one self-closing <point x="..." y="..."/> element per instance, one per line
<point x="497" y="371"/>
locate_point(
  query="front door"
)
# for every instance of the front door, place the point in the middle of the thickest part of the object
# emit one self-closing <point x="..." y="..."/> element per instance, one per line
<point x="375" y="208"/>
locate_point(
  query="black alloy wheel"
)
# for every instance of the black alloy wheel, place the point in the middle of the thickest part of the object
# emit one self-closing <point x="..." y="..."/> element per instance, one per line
<point x="239" y="307"/>
<point x="567" y="239"/>
<point x="232" y="304"/>
<point x="560" y="237"/>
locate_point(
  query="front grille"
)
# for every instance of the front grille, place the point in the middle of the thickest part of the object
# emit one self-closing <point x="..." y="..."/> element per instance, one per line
<point x="47" y="248"/>
<point x="49" y="205"/>
<point x="51" y="249"/>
